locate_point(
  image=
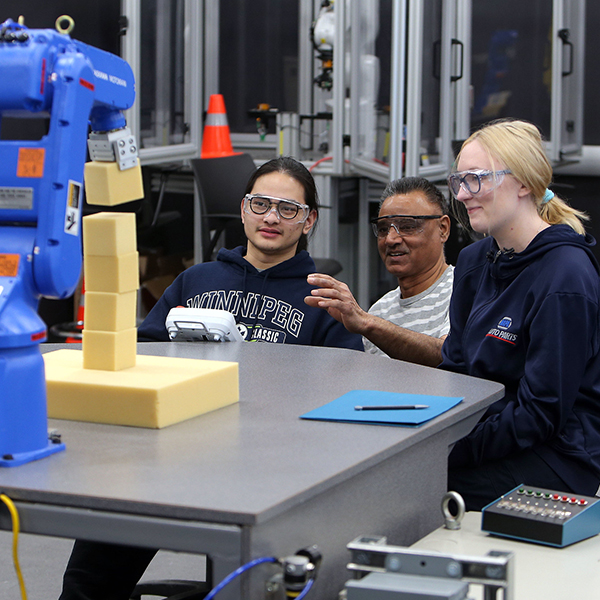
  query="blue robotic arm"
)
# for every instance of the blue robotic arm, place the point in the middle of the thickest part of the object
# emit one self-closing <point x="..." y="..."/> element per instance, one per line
<point x="75" y="84"/>
<point x="44" y="73"/>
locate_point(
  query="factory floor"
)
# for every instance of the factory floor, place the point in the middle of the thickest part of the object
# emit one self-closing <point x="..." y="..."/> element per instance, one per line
<point x="43" y="561"/>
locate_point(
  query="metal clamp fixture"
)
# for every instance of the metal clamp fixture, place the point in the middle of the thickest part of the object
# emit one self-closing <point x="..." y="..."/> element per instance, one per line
<point x="114" y="146"/>
<point x="401" y="569"/>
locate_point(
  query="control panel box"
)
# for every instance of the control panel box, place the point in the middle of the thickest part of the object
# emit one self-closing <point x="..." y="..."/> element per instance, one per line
<point x="202" y="325"/>
<point x="543" y="516"/>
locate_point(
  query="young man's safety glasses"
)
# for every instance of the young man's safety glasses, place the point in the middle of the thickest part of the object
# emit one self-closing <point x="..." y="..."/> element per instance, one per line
<point x="286" y="209"/>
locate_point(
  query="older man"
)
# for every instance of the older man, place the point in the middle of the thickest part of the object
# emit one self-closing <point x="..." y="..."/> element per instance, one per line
<point x="411" y="321"/>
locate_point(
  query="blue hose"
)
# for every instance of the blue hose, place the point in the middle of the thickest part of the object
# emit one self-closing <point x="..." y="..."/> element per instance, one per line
<point x="305" y="589"/>
<point x="239" y="571"/>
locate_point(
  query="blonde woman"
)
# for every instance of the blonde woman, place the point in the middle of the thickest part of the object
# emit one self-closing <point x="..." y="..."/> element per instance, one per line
<point x="525" y="313"/>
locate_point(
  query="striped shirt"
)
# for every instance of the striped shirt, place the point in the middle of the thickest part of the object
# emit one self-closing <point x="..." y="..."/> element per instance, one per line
<point x="426" y="312"/>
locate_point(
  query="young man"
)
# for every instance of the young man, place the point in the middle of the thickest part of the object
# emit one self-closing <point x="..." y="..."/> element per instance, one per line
<point x="411" y="321"/>
<point x="264" y="284"/>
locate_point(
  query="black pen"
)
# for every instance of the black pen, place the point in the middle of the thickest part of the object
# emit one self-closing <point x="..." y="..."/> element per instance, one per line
<point x="401" y="407"/>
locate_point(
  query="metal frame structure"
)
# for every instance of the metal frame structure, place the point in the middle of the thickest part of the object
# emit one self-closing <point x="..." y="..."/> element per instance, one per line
<point x="201" y="78"/>
<point x="190" y="49"/>
<point x="568" y="47"/>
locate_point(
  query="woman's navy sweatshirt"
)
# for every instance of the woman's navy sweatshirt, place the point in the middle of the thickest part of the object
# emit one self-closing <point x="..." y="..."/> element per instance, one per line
<point x="268" y="305"/>
<point x="531" y="321"/>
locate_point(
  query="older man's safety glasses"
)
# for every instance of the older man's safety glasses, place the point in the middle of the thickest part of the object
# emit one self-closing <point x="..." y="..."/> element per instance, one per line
<point x="286" y="209"/>
<point x="402" y="224"/>
<point x="476" y="182"/>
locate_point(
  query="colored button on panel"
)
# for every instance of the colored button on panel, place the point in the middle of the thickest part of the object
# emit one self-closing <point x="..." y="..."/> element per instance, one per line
<point x="583" y="502"/>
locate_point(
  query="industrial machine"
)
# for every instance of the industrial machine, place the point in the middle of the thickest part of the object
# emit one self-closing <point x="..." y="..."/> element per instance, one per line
<point x="45" y="74"/>
<point x="323" y="36"/>
<point x="526" y="513"/>
<point x="308" y="135"/>
<point x="382" y="571"/>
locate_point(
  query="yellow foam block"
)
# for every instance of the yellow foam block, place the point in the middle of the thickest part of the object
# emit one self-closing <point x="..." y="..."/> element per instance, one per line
<point x="157" y="392"/>
<point x="106" y="185"/>
<point x="106" y="311"/>
<point x="109" y="234"/>
<point x="115" y="274"/>
<point x="109" y="350"/>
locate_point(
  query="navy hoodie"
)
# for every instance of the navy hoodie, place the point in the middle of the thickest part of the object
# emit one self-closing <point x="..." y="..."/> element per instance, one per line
<point x="267" y="305"/>
<point x="530" y="321"/>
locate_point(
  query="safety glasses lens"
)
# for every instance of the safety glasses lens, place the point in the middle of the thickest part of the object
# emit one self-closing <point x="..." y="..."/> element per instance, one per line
<point x="470" y="181"/>
<point x="259" y="206"/>
<point x="287" y="210"/>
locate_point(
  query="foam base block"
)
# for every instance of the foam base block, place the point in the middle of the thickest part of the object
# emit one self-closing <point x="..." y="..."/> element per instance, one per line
<point x="157" y="392"/>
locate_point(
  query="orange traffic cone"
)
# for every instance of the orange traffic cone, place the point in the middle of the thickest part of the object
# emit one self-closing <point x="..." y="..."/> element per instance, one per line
<point x="215" y="140"/>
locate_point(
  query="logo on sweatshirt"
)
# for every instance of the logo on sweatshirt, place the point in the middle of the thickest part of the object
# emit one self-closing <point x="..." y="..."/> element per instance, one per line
<point x="258" y="333"/>
<point x="263" y="310"/>
<point x="505" y="323"/>
<point x="500" y="332"/>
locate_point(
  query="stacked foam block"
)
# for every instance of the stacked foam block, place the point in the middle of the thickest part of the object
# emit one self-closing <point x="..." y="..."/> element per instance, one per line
<point x="107" y="382"/>
<point x="107" y="185"/>
<point x="111" y="281"/>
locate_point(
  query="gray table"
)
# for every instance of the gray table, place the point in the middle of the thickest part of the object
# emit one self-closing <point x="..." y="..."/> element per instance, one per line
<point x="253" y="479"/>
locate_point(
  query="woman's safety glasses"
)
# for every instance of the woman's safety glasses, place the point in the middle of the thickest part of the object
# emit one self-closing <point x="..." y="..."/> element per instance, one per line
<point x="476" y="182"/>
<point x="286" y="209"/>
<point x="402" y="224"/>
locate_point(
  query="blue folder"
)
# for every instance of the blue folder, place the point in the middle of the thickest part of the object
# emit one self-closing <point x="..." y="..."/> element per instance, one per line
<point x="343" y="408"/>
